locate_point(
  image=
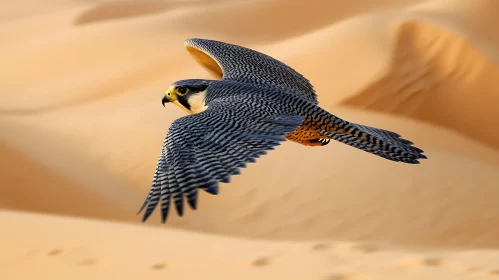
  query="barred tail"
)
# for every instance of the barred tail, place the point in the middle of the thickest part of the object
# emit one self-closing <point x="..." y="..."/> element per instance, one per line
<point x="383" y="143"/>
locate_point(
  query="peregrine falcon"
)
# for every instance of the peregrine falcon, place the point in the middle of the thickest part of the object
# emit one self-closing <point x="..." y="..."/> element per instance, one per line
<point x="256" y="103"/>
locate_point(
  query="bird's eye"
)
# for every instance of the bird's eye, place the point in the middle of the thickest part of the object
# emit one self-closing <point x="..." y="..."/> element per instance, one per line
<point x="182" y="90"/>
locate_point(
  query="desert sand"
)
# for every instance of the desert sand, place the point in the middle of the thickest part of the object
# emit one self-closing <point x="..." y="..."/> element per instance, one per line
<point x="82" y="126"/>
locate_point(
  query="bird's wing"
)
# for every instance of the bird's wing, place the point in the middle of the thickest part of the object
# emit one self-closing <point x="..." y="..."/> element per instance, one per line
<point x="203" y="149"/>
<point x="232" y="62"/>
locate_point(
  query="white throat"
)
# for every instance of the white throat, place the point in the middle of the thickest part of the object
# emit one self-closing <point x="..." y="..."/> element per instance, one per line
<point x="197" y="102"/>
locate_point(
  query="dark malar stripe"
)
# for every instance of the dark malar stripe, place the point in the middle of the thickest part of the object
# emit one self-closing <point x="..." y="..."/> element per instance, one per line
<point x="183" y="100"/>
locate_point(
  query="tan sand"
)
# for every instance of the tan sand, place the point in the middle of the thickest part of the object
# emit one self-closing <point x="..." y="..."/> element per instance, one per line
<point x="70" y="248"/>
<point x="82" y="125"/>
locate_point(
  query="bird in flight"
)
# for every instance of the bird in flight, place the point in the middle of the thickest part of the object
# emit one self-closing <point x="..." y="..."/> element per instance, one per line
<point x="256" y="103"/>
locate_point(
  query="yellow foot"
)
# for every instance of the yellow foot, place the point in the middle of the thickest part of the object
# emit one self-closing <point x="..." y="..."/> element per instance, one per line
<point x="316" y="142"/>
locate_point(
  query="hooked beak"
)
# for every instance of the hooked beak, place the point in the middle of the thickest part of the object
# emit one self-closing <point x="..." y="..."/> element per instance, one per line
<point x="164" y="100"/>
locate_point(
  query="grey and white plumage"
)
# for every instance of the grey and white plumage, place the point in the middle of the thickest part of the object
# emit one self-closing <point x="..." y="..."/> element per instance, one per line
<point x="258" y="103"/>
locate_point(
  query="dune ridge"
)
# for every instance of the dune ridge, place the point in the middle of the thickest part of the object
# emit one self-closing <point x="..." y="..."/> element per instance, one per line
<point x="124" y="10"/>
<point x="434" y="77"/>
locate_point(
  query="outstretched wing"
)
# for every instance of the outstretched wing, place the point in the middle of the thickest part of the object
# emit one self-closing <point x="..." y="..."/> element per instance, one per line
<point x="232" y="62"/>
<point x="203" y="149"/>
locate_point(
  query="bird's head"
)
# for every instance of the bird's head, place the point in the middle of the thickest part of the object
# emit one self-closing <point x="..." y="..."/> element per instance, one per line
<point x="187" y="94"/>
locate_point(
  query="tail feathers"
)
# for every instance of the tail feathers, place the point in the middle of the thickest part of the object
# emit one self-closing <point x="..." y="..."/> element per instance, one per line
<point x="380" y="142"/>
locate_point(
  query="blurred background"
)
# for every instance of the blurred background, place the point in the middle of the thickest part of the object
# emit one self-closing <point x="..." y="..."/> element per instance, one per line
<point x="81" y="129"/>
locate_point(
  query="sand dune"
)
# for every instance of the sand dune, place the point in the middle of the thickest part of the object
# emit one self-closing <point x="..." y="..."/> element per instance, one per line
<point x="82" y="125"/>
<point x="318" y="204"/>
<point x="296" y="17"/>
<point x="52" y="177"/>
<point x="438" y="77"/>
<point x="420" y="66"/>
<point x="50" y="187"/>
<point x="81" y="249"/>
